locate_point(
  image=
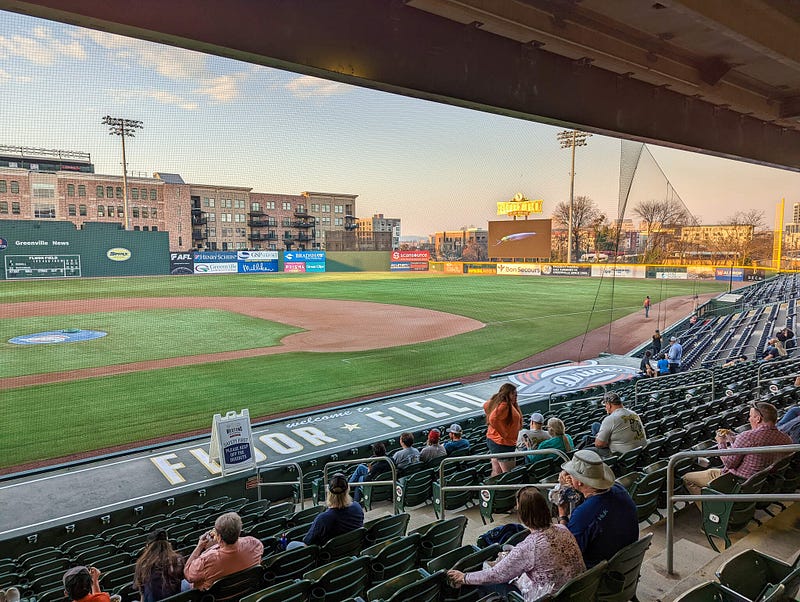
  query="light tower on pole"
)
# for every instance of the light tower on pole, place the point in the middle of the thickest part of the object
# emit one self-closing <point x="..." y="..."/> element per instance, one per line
<point x="571" y="139"/>
<point x="122" y="128"/>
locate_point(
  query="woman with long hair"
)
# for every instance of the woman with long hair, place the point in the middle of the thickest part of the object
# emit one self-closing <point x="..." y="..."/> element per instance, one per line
<point x="504" y="421"/>
<point x="558" y="440"/>
<point x="538" y="565"/>
<point x="159" y="569"/>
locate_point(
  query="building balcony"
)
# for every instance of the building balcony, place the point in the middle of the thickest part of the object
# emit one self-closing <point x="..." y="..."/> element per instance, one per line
<point x="302" y="237"/>
<point x="301" y="213"/>
<point x="309" y="223"/>
<point x="257" y="213"/>
<point x="199" y="220"/>
<point x="262" y="223"/>
<point x="262" y="236"/>
<point x="350" y="222"/>
<point x="198" y="235"/>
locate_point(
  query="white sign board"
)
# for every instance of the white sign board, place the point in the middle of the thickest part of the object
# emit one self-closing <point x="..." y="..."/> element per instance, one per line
<point x="232" y="442"/>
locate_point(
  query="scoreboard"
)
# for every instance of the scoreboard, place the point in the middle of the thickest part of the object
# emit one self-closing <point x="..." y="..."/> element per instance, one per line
<point x="42" y="266"/>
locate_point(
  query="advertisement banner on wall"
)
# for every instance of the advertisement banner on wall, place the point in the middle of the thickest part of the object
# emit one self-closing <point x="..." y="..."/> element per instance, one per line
<point x="672" y="276"/>
<point x="294" y="266"/>
<point x="399" y="266"/>
<point x="452" y="267"/>
<point x="216" y="268"/>
<point x="725" y="274"/>
<point x="480" y="268"/>
<point x="519" y="239"/>
<point x="257" y="255"/>
<point x="314" y="266"/>
<point x="181" y="262"/>
<point x="754" y="274"/>
<point x="519" y="269"/>
<point x="566" y="270"/>
<point x="618" y="271"/>
<point x="258" y="267"/>
<point x="700" y="272"/>
<point x="410" y="260"/>
<point x="410" y="255"/>
<point x="215" y="256"/>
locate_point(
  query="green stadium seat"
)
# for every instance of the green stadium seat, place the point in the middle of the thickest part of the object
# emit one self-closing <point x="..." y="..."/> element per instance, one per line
<point x="291" y="564"/>
<point x="751" y="573"/>
<point x="392" y="557"/>
<point x="579" y="589"/>
<point x="722" y="518"/>
<point x="455" y="499"/>
<point x="711" y="591"/>
<point x="346" y="544"/>
<point x="296" y="590"/>
<point x="417" y="585"/>
<point x="626" y="563"/>
<point x="441" y="536"/>
<point x="413" y="490"/>
<point x="385" y="527"/>
<point x="340" y="579"/>
<point x="238" y="585"/>
<point x="499" y="501"/>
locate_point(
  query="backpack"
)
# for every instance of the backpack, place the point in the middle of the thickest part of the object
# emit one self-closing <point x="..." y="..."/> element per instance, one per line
<point x="500" y="534"/>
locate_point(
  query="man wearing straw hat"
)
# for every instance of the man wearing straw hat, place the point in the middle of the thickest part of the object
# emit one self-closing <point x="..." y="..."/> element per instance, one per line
<point x="606" y="521"/>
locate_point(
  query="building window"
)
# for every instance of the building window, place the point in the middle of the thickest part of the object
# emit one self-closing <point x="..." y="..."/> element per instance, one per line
<point x="270" y="204"/>
<point x="110" y="192"/>
<point x="136" y="228"/>
<point x="286" y="222"/>
<point x="101" y="211"/>
<point x="239" y="204"/>
<point x="44" y="211"/>
<point x="135" y="211"/>
<point x="135" y="194"/>
<point x="315" y="207"/>
<point x="72" y="210"/>
<point x="145" y="228"/>
<point x="225" y="217"/>
<point x="145" y="212"/>
<point x="255" y="207"/>
<point x="212" y="233"/>
<point x="3" y="187"/>
<point x="209" y="202"/>
<point x="180" y="241"/>
<point x="286" y="206"/>
<point x="119" y="192"/>
<point x="120" y="211"/>
<point x="14" y="187"/>
<point x="4" y="207"/>
<point x="99" y="192"/>
<point x="326" y="208"/>
<point x="338" y="208"/>
<point x="300" y="208"/>
<point x="338" y="221"/>
<point x="81" y="190"/>
<point x="111" y="211"/>
<point x="15" y="208"/>
<point x="153" y="194"/>
<point x="212" y="217"/>
<point x="240" y="218"/>
<point x="154" y="212"/>
<point x="82" y="210"/>
<point x="44" y="191"/>
<point x="154" y="228"/>
<point x="70" y="189"/>
<point x="326" y="220"/>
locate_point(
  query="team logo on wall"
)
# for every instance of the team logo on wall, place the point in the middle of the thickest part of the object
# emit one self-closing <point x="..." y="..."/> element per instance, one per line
<point x="3" y="243"/>
<point x="118" y="254"/>
<point x="570" y="376"/>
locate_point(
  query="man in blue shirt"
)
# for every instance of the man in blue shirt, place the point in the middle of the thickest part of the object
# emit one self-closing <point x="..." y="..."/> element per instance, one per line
<point x="456" y="442"/>
<point x="674" y="355"/>
<point x="606" y="521"/>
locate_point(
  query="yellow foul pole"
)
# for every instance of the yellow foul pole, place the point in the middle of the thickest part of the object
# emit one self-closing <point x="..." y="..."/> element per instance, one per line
<point x="777" y="239"/>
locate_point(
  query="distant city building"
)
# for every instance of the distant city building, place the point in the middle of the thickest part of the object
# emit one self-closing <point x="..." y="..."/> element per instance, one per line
<point x="370" y="229"/>
<point x="455" y="244"/>
<point x="41" y="184"/>
<point x="716" y="234"/>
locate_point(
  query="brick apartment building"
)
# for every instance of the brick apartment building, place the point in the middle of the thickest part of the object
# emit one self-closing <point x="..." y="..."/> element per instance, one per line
<point x="41" y="184"/>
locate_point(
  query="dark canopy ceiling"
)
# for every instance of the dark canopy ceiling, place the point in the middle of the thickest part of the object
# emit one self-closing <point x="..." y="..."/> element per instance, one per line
<point x="716" y="76"/>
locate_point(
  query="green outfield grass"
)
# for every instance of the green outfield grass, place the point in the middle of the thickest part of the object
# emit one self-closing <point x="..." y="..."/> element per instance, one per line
<point x="524" y="315"/>
<point x="133" y="336"/>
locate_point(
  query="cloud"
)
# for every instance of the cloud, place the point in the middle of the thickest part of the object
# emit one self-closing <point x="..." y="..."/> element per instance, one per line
<point x="223" y="88"/>
<point x="4" y="76"/>
<point x="161" y="96"/>
<point x="305" y="86"/>
<point x="41" y="48"/>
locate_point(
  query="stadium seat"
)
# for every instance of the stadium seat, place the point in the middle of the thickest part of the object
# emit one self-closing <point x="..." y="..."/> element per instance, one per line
<point x="417" y="585"/>
<point x="343" y="578"/>
<point x="627" y="563"/>
<point x="455" y="499"/>
<point x="376" y="493"/>
<point x="711" y="591"/>
<point x="626" y="462"/>
<point x="449" y="559"/>
<point x="386" y="527"/>
<point x="413" y="490"/>
<point x="721" y="518"/>
<point x="346" y="544"/>
<point x="296" y="590"/>
<point x="392" y="557"/>
<point x="291" y="564"/>
<point x="440" y="536"/>
<point x="579" y="589"/>
<point x="233" y="587"/>
<point x="304" y="517"/>
<point x="751" y="573"/>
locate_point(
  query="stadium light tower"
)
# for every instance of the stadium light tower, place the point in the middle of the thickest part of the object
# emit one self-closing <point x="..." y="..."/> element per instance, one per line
<point x="122" y="128"/>
<point x="571" y="139"/>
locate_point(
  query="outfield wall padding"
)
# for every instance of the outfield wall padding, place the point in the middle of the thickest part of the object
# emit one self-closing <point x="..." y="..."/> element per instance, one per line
<point x="357" y="261"/>
<point x="44" y="249"/>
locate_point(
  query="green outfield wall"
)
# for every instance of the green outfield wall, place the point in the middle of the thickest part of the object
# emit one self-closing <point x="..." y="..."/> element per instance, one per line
<point x="43" y="249"/>
<point x="357" y="261"/>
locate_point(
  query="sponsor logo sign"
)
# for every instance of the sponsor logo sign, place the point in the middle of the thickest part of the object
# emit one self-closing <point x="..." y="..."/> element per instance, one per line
<point x="293" y="256"/>
<point x="736" y="274"/>
<point x="566" y="270"/>
<point x="216" y="268"/>
<point x="181" y="263"/>
<point x="215" y="256"/>
<point x="519" y="269"/>
<point x="258" y="267"/>
<point x="453" y="268"/>
<point x="294" y="266"/>
<point x="57" y="336"/>
<point x="3" y="244"/>
<point x="118" y="254"/>
<point x="257" y="255"/>
<point x="314" y="266"/>
<point x="544" y="381"/>
<point x="672" y="275"/>
<point x="399" y="266"/>
<point x="410" y="255"/>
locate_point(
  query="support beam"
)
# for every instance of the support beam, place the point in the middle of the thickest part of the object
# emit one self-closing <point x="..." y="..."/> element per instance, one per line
<point x="393" y="47"/>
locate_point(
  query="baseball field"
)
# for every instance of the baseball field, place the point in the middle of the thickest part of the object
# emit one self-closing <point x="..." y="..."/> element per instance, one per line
<point x="177" y="350"/>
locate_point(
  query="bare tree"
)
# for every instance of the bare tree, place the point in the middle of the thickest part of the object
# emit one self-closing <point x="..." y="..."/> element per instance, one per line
<point x="661" y="219"/>
<point x="584" y="214"/>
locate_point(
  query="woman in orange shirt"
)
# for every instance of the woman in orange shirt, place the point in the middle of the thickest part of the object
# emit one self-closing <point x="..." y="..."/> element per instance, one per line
<point x="504" y="421"/>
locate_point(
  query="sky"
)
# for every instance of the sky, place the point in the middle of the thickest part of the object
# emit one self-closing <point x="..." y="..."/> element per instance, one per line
<point x="224" y="122"/>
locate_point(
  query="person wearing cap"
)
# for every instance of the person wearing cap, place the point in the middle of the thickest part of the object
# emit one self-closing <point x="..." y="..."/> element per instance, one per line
<point x="558" y="439"/>
<point x="531" y="437"/>
<point x="503" y="422"/>
<point x="159" y="570"/>
<point x="434" y="449"/>
<point x="547" y="558"/>
<point x="622" y="430"/>
<point x="456" y="442"/>
<point x="221" y="552"/>
<point x="342" y="515"/>
<point x="606" y="521"/>
<point x="763" y="432"/>
<point x="82" y="584"/>
<point x="674" y="355"/>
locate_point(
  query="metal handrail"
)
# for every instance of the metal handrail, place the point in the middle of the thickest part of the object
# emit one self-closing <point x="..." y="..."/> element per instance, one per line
<point x="701" y="385"/>
<point x="445" y="488"/>
<point x="731" y="497"/>
<point x="389" y="461"/>
<point x="665" y="377"/>
<point x="299" y="481"/>
<point x="785" y="363"/>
